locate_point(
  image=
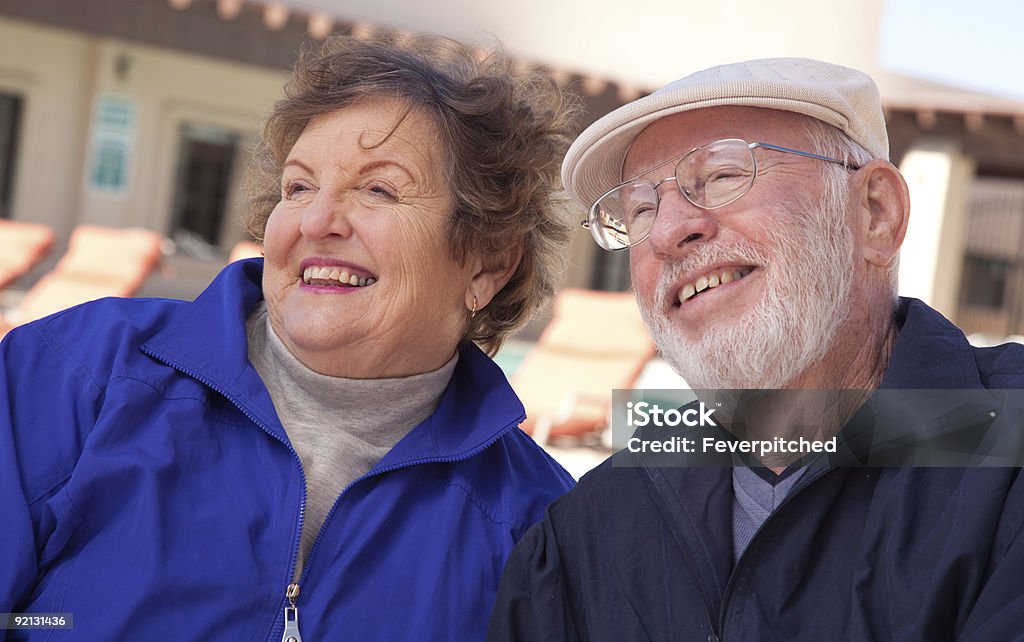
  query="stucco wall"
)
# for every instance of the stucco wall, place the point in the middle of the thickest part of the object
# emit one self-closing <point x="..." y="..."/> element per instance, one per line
<point x="61" y="75"/>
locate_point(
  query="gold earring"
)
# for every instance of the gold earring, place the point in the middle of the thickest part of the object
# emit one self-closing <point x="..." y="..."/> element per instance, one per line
<point x="472" y="313"/>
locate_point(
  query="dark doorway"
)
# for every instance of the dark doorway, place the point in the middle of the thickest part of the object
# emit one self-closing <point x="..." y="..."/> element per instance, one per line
<point x="10" y="121"/>
<point x="610" y="271"/>
<point x="205" y="165"/>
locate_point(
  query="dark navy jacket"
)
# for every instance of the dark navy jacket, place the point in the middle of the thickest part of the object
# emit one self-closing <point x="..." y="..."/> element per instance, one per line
<point x="148" y="488"/>
<point x="640" y="552"/>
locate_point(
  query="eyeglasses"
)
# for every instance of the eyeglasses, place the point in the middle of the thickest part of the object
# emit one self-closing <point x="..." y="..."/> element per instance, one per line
<point x="710" y="176"/>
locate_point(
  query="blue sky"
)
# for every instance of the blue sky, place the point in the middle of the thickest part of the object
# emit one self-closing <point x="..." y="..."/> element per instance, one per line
<point x="974" y="44"/>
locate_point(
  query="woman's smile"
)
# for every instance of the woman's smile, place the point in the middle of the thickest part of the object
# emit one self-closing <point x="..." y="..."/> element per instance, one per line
<point x="330" y="275"/>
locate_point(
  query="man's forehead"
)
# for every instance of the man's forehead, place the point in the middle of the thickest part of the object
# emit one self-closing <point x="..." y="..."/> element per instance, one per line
<point x="672" y="136"/>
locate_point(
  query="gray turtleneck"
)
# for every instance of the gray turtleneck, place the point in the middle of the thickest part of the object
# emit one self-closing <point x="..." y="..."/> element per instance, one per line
<point x="339" y="427"/>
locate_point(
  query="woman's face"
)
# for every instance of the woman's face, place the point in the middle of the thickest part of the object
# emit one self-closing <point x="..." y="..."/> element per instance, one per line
<point x="358" y="276"/>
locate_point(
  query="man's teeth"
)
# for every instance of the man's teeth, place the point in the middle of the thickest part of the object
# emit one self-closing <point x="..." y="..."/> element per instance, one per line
<point x="712" y="280"/>
<point x="342" y="276"/>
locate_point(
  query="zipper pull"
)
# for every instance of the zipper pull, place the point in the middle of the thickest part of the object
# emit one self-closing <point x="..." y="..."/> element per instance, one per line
<point x="291" y="616"/>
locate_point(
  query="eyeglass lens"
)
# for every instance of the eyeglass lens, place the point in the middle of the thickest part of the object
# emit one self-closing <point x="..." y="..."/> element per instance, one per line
<point x="709" y="177"/>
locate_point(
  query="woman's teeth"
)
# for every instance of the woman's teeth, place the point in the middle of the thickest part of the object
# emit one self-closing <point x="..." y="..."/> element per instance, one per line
<point x="712" y="280"/>
<point x="335" y="274"/>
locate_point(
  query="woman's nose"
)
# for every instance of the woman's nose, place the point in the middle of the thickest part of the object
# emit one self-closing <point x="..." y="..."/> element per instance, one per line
<point x="325" y="216"/>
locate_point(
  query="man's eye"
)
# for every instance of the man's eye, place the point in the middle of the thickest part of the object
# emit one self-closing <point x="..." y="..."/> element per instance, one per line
<point x="642" y="211"/>
<point x="727" y="174"/>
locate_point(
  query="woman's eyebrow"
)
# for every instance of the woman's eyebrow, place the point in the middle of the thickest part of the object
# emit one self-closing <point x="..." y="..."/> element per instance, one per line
<point x="297" y="163"/>
<point x="366" y="167"/>
<point x="377" y="164"/>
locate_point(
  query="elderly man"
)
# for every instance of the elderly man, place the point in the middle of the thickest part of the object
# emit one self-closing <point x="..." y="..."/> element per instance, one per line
<point x="764" y="221"/>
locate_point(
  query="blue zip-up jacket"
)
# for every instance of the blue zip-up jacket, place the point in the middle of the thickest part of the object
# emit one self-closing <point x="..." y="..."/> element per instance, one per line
<point x="640" y="551"/>
<point x="148" y="488"/>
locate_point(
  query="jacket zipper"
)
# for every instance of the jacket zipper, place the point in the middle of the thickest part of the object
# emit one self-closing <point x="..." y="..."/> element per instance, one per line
<point x="291" y="616"/>
<point x="290" y="593"/>
<point x="291" y="611"/>
<point x="405" y="464"/>
<point x="712" y="635"/>
<point x="727" y="594"/>
<point x="729" y="585"/>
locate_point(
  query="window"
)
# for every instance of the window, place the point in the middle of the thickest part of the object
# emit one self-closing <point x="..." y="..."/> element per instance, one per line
<point x="112" y="145"/>
<point x="991" y="301"/>
<point x="984" y="282"/>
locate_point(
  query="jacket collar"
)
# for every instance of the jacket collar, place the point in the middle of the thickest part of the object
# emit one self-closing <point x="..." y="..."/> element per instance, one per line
<point x="931" y="385"/>
<point x="206" y="340"/>
<point x="930" y="352"/>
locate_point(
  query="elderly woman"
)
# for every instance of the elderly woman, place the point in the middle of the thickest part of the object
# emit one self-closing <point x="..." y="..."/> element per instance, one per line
<point x="318" y="434"/>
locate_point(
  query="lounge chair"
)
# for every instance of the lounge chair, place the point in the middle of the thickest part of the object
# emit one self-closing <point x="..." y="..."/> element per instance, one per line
<point x="595" y="342"/>
<point x="22" y="246"/>
<point x="245" y="250"/>
<point x="99" y="262"/>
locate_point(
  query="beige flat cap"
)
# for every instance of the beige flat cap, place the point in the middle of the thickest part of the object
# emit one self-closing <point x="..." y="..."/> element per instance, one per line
<point x="843" y="97"/>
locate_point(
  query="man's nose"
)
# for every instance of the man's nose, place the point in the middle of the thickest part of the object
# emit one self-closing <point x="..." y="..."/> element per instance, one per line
<point x="679" y="223"/>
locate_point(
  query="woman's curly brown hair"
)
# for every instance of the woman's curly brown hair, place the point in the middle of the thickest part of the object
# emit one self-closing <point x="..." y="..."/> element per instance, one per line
<point x="503" y="136"/>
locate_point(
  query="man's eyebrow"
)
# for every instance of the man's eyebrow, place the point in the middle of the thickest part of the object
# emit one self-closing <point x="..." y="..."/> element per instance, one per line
<point x="654" y="167"/>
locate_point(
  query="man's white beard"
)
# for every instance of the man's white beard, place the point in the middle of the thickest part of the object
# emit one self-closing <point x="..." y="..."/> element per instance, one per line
<point x="809" y="273"/>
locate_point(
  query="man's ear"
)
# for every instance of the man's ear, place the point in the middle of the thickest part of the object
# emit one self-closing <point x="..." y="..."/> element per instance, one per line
<point x="490" y="275"/>
<point x="885" y="199"/>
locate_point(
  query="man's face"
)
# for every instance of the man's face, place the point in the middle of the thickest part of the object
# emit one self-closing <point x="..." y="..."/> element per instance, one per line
<point x="782" y="257"/>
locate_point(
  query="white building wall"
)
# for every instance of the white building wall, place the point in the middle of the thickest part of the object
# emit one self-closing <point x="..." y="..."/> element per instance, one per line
<point x="660" y="41"/>
<point x="51" y="70"/>
<point x="62" y="75"/>
<point x="931" y="261"/>
<point x="170" y="89"/>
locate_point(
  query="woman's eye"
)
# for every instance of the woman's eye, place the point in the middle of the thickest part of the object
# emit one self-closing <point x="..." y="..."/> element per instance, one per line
<point x="382" y="191"/>
<point x="294" y="188"/>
